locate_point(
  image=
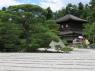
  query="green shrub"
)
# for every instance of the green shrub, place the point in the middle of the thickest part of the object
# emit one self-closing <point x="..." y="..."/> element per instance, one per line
<point x="79" y="45"/>
<point x="58" y="47"/>
<point x="65" y="42"/>
<point x="67" y="49"/>
<point x="92" y="46"/>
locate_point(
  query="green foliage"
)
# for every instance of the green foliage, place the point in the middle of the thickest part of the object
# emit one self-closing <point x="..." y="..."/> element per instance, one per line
<point x="53" y="27"/>
<point x="90" y="27"/>
<point x="71" y="9"/>
<point x="39" y="34"/>
<point x="92" y="10"/>
<point x="92" y="46"/>
<point x="49" y="13"/>
<point x="26" y="8"/>
<point x="79" y="10"/>
<point x="80" y="45"/>
<point x="67" y="49"/>
<point x="35" y="9"/>
<point x="42" y="37"/>
<point x="58" y="48"/>
<point x="25" y="28"/>
<point x="65" y="41"/>
<point x="89" y="31"/>
<point x="9" y="36"/>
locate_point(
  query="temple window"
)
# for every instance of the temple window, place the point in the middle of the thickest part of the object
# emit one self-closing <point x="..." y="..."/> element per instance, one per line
<point x="66" y="26"/>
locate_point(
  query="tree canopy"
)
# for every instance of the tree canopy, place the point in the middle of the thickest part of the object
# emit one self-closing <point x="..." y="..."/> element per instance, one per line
<point x="26" y="28"/>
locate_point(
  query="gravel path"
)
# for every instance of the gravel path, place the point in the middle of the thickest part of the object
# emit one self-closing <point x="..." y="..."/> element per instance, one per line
<point x="78" y="60"/>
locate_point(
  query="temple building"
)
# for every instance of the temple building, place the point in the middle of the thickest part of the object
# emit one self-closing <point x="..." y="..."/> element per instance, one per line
<point x="70" y="27"/>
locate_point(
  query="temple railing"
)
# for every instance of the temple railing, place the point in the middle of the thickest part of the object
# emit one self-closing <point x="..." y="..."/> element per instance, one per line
<point x="69" y="29"/>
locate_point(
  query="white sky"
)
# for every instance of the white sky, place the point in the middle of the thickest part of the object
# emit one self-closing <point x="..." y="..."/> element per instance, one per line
<point x="54" y="4"/>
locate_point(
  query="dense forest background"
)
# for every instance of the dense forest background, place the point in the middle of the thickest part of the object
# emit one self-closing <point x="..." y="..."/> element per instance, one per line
<point x="26" y="27"/>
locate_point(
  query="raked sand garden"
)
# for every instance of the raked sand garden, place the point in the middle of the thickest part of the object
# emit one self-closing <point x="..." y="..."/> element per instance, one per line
<point x="77" y="60"/>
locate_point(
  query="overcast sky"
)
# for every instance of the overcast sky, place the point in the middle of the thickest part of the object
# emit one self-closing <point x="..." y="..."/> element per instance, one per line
<point x="54" y="4"/>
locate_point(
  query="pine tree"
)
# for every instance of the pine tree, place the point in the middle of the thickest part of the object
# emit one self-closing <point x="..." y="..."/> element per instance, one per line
<point x="80" y="9"/>
<point x="49" y="13"/>
<point x="92" y="7"/>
